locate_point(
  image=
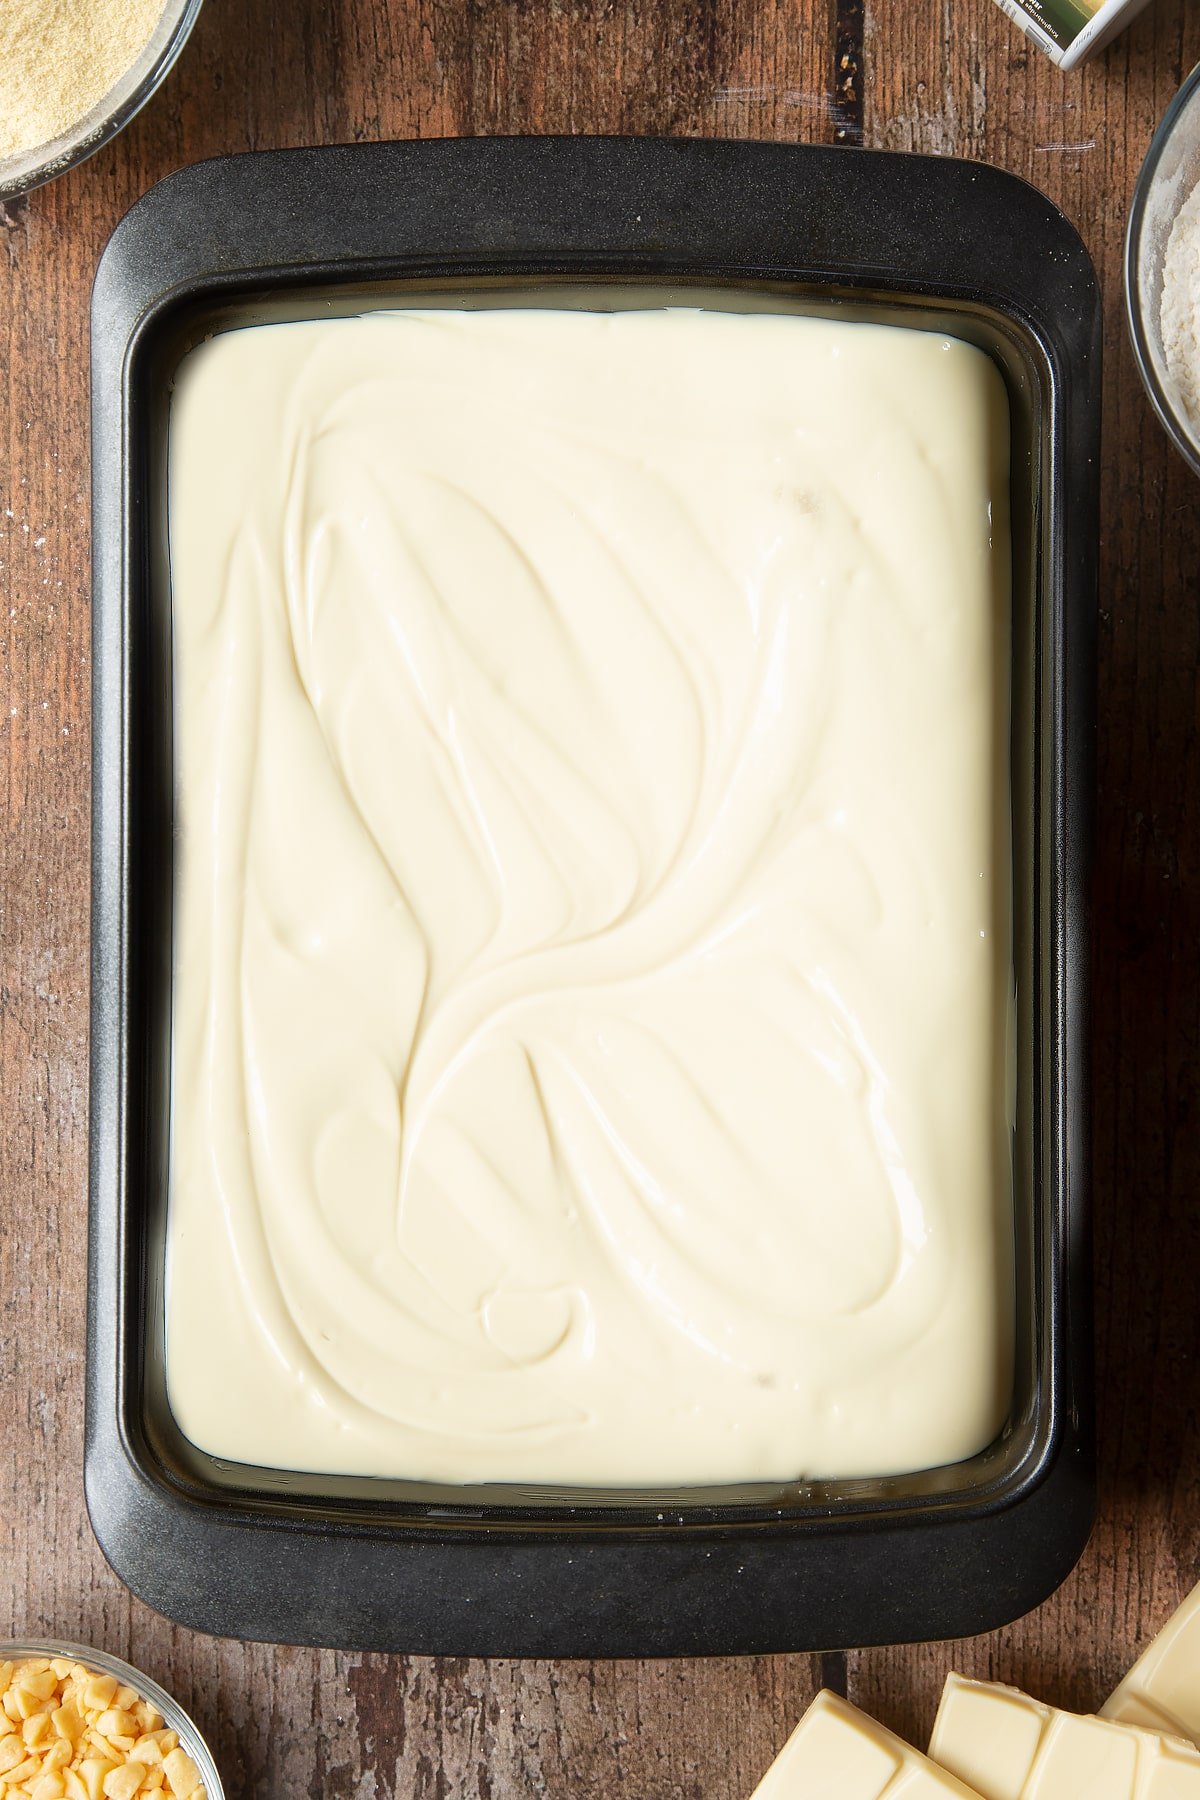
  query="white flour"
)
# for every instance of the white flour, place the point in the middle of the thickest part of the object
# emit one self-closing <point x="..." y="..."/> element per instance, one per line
<point x="1181" y="304"/>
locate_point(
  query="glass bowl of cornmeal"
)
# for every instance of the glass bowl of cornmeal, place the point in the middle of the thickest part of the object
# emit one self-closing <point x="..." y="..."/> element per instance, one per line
<point x="1162" y="271"/>
<point x="73" y="74"/>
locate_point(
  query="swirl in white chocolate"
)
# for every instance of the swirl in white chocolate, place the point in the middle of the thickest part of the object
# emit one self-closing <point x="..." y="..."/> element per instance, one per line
<point x="592" y="945"/>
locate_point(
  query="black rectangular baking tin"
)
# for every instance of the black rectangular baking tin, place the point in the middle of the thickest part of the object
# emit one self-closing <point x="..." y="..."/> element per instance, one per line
<point x="510" y="1571"/>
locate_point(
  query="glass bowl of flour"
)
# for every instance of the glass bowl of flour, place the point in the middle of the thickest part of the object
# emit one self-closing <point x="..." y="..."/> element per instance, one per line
<point x="73" y="73"/>
<point x="1162" y="270"/>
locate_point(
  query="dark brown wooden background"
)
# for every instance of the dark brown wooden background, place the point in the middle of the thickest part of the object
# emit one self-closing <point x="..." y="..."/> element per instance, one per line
<point x="931" y="75"/>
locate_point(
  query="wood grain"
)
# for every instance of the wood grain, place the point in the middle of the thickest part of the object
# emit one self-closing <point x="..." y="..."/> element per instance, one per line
<point x="1081" y="138"/>
<point x="937" y="75"/>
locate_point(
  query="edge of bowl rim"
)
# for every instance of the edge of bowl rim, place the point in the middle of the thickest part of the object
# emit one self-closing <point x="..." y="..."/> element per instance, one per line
<point x="1188" y="447"/>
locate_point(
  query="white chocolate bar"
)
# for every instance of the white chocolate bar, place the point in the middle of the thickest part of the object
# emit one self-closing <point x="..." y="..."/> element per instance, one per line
<point x="838" y="1753"/>
<point x="1009" y="1747"/>
<point x="1162" y="1690"/>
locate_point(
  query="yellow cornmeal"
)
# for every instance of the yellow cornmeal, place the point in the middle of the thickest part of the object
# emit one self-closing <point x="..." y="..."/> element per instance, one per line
<point x="68" y="1732"/>
<point x="59" y="58"/>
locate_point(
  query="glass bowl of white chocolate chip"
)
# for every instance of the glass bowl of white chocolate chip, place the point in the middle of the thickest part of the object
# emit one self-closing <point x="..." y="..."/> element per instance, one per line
<point x="73" y="73"/>
<point x="78" y="1724"/>
<point x="1162" y="270"/>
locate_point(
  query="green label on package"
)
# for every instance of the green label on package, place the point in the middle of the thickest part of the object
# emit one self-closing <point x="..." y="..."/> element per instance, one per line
<point x="1061" y="20"/>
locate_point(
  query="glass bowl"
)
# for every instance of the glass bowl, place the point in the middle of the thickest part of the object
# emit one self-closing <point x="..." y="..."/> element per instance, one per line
<point x="174" y="1715"/>
<point x="1169" y="174"/>
<point x="29" y="168"/>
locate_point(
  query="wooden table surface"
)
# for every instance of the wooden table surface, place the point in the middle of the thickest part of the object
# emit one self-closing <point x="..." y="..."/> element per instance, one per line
<point x="930" y="75"/>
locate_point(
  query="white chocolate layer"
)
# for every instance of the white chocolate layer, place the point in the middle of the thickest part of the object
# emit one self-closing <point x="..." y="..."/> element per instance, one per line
<point x="592" y="952"/>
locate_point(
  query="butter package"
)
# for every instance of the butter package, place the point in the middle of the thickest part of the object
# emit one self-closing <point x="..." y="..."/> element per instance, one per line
<point x="1070" y="31"/>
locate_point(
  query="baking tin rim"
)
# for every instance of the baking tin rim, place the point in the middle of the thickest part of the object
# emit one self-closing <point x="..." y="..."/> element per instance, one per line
<point x="118" y="1462"/>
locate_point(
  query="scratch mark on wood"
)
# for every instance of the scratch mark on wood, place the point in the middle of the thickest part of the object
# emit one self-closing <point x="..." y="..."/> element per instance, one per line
<point x="798" y="98"/>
